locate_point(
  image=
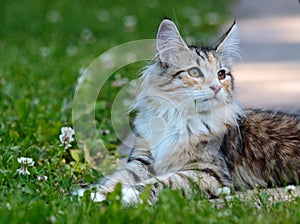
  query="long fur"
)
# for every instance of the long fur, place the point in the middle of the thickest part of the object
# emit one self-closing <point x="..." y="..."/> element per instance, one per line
<point x="193" y="133"/>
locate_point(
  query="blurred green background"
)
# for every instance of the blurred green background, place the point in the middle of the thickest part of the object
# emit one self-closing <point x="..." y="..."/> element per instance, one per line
<point x="45" y="46"/>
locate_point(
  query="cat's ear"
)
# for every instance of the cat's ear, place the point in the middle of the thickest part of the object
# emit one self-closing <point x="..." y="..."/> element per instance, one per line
<point x="169" y="42"/>
<point x="228" y="44"/>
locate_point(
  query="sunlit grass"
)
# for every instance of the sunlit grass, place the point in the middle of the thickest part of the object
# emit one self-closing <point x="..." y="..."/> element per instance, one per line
<point x="44" y="48"/>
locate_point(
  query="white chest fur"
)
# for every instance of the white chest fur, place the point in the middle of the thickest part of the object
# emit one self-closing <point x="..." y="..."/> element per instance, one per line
<point x="168" y="129"/>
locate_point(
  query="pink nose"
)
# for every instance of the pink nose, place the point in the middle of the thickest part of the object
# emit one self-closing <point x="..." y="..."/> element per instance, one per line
<point x="216" y="88"/>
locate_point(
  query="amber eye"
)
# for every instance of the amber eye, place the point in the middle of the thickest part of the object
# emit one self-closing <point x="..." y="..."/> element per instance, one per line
<point x="221" y="74"/>
<point x="195" y="72"/>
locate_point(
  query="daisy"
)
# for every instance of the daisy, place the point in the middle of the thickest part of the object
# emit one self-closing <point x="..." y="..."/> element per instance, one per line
<point x="66" y="137"/>
<point x="25" y="162"/>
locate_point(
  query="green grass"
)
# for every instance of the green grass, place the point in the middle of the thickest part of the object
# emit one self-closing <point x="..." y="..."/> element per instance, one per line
<point x="43" y="46"/>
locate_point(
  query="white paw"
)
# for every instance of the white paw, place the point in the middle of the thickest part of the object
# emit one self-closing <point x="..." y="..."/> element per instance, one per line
<point x="130" y="196"/>
<point x="96" y="197"/>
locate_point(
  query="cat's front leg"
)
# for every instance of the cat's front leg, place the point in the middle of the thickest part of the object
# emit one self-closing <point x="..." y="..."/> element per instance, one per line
<point x="132" y="173"/>
<point x="185" y="181"/>
<point x="137" y="170"/>
<point x="129" y="175"/>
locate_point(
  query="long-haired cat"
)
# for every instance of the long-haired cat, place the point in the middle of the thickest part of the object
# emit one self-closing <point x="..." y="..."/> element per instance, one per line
<point x="192" y="131"/>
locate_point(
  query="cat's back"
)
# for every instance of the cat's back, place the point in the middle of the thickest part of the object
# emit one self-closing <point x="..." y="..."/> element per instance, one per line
<point x="264" y="150"/>
<point x="271" y="129"/>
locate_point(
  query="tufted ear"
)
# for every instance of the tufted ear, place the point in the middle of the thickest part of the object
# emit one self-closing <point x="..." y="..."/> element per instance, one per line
<point x="228" y="44"/>
<point x="169" y="42"/>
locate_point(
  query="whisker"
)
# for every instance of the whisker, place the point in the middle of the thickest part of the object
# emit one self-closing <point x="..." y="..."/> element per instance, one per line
<point x="210" y="109"/>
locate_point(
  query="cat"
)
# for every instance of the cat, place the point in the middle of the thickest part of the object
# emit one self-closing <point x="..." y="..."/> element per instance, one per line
<point x="192" y="132"/>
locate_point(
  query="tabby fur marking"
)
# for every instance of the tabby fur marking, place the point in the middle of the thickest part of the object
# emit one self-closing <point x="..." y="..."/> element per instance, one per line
<point x="192" y="131"/>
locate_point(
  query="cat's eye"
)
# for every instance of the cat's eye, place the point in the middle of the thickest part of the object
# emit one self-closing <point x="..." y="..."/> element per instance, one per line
<point x="221" y="74"/>
<point x="195" y="72"/>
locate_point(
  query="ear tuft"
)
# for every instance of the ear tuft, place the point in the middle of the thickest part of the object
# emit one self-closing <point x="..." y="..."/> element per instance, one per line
<point x="167" y="35"/>
<point x="168" y="38"/>
<point x="228" y="44"/>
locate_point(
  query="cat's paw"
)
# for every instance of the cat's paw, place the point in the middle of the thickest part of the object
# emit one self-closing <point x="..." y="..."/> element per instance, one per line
<point x="130" y="196"/>
<point x="95" y="196"/>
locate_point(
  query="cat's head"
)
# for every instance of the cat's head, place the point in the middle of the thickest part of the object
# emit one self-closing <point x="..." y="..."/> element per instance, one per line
<point x="202" y="72"/>
<point x="189" y="72"/>
<point x="190" y="87"/>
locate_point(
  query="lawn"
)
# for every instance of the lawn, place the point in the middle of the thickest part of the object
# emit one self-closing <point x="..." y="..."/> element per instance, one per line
<point x="44" y="48"/>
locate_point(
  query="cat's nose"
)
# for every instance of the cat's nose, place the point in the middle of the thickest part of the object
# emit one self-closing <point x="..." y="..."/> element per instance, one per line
<point x="216" y="88"/>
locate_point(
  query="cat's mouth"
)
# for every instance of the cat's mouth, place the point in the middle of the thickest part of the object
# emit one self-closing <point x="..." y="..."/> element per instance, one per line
<point x="203" y="97"/>
<point x="210" y="98"/>
<point x="206" y="99"/>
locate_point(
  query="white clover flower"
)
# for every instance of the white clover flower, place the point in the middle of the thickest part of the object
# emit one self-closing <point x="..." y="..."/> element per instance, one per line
<point x="290" y="189"/>
<point x="119" y="82"/>
<point x="87" y="36"/>
<point x="52" y="219"/>
<point x="8" y="206"/>
<point x="72" y="50"/>
<point x="26" y="162"/>
<point x="107" y="60"/>
<point x="105" y="132"/>
<point x="45" y="51"/>
<point x="66" y="137"/>
<point x="103" y="16"/>
<point x="130" y="22"/>
<point x="54" y="16"/>
<point x="23" y="171"/>
<point x="224" y="191"/>
<point x="42" y="178"/>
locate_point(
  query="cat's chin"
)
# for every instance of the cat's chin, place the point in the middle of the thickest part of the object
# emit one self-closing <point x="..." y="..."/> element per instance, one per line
<point x="208" y="105"/>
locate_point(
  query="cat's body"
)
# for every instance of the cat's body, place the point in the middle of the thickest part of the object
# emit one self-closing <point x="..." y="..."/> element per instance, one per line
<point x="263" y="151"/>
<point x="192" y="132"/>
